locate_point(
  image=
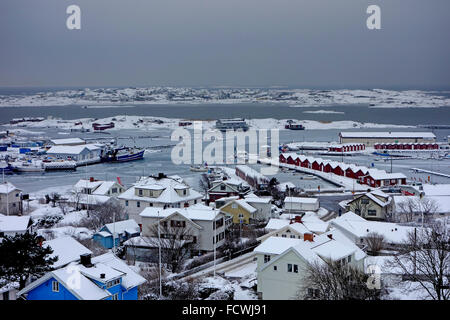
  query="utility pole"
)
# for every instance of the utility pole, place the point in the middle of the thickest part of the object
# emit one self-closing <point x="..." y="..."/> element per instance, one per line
<point x="159" y="242"/>
<point x="214" y="241"/>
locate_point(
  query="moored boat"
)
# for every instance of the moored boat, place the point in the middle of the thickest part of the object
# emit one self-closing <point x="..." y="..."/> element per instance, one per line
<point x="123" y="155"/>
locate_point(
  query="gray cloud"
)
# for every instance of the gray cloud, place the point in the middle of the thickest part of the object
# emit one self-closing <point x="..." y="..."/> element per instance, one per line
<point x="305" y="43"/>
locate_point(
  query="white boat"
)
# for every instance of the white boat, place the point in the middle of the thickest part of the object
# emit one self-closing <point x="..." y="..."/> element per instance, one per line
<point x="199" y="168"/>
<point x="20" y="166"/>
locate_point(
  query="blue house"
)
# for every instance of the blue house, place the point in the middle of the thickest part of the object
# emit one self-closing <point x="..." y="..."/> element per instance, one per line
<point x="124" y="230"/>
<point x="105" y="277"/>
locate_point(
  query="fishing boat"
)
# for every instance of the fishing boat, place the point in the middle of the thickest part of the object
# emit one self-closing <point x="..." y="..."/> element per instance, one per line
<point x="123" y="154"/>
<point x="291" y="125"/>
<point x="5" y="168"/>
<point x="27" y="166"/>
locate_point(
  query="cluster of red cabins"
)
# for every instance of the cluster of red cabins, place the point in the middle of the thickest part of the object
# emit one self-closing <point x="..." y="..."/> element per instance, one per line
<point x="406" y="146"/>
<point x="347" y="147"/>
<point x="364" y="175"/>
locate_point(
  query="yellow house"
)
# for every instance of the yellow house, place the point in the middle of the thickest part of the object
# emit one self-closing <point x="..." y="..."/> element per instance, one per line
<point x="240" y="210"/>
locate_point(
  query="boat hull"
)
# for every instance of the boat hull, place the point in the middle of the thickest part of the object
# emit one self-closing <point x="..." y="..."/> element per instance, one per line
<point x="129" y="157"/>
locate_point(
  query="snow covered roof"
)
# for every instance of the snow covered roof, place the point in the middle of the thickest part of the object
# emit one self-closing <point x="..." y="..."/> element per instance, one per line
<point x="360" y="228"/>
<point x="276" y="224"/>
<point x="196" y="212"/>
<point x="62" y="149"/>
<point x="122" y="226"/>
<point x="93" y="199"/>
<point x="243" y="203"/>
<point x="301" y="200"/>
<point x="130" y="279"/>
<point x="67" y="141"/>
<point x="104" y="187"/>
<point x="383" y="175"/>
<point x="67" y="249"/>
<point x="436" y="189"/>
<point x="7" y="187"/>
<point x="276" y="245"/>
<point x="107" y="264"/>
<point x="252" y="198"/>
<point x="86" y="183"/>
<point x="168" y="195"/>
<point x="14" y="223"/>
<point x="412" y="135"/>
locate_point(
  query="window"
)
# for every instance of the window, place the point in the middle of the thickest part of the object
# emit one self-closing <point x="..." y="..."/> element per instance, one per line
<point x="283" y="236"/>
<point x="222" y="187"/>
<point x="140" y="192"/>
<point x="150" y="204"/>
<point x="138" y="204"/>
<point x="274" y="268"/>
<point x="289" y="267"/>
<point x="293" y="236"/>
<point x="114" y="190"/>
<point x="365" y="201"/>
<point x="349" y="258"/>
<point x="266" y="258"/>
<point x="115" y="296"/>
<point x="372" y="212"/>
<point x="126" y="203"/>
<point x="55" y="286"/>
<point x="295" y="268"/>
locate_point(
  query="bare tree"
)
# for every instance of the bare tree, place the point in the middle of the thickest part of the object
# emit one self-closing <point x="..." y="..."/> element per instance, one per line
<point x="63" y="206"/>
<point x="76" y="198"/>
<point x="336" y="281"/>
<point x="103" y="214"/>
<point x="177" y="243"/>
<point x="375" y="243"/>
<point x="424" y="259"/>
<point x="204" y="183"/>
<point x="413" y="206"/>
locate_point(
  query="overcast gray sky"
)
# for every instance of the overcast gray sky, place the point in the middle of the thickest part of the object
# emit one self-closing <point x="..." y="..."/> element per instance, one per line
<point x="302" y="43"/>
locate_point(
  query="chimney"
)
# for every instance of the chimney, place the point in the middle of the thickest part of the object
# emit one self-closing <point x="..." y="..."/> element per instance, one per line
<point x="161" y="175"/>
<point x="298" y="219"/>
<point x="308" y="237"/>
<point x="91" y="179"/>
<point x="102" y="276"/>
<point x="140" y="227"/>
<point x="85" y="260"/>
<point x="330" y="236"/>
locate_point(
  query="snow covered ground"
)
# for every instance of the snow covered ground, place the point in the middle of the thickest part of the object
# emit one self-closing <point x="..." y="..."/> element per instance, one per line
<point x="376" y="98"/>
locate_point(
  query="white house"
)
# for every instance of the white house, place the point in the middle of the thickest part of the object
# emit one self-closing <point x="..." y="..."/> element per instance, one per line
<point x="98" y="187"/>
<point x="160" y="192"/>
<point x="10" y="199"/>
<point x="283" y="262"/>
<point x="12" y="225"/>
<point x="86" y="153"/>
<point x="357" y="229"/>
<point x="203" y="226"/>
<point x="300" y="204"/>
